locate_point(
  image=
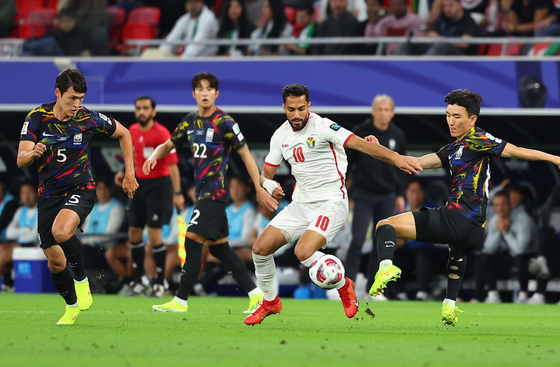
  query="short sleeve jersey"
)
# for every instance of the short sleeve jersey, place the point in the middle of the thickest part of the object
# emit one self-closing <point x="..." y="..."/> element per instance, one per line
<point x="65" y="166"/>
<point x="144" y="143"/>
<point x="316" y="154"/>
<point x="211" y="140"/>
<point x="468" y="161"/>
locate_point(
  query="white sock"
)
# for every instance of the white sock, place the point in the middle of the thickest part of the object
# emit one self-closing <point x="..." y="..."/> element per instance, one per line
<point x="254" y="292"/>
<point x="385" y="263"/>
<point x="307" y="263"/>
<point x="265" y="271"/>
<point x="73" y="305"/>
<point x="182" y="302"/>
<point x="448" y="301"/>
<point x="81" y="281"/>
<point x="341" y="284"/>
<point x="493" y="294"/>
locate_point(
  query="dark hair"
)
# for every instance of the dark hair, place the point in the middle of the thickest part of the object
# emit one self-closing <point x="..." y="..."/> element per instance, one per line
<point x="307" y="7"/>
<point x="503" y="193"/>
<point x="417" y="180"/>
<point x="66" y="13"/>
<point x="146" y="97"/>
<point x="71" y="78"/>
<point x="212" y="80"/>
<point x="465" y="98"/>
<point x="106" y="181"/>
<point x="225" y="21"/>
<point x="295" y="90"/>
<point x="278" y="18"/>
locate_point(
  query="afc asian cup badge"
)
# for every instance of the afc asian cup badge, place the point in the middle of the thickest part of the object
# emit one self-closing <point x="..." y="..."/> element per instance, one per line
<point x="311" y="142"/>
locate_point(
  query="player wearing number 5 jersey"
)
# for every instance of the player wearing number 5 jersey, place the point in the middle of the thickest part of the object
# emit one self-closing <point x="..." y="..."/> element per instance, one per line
<point x="314" y="147"/>
<point x="211" y="134"/>
<point x="57" y="136"/>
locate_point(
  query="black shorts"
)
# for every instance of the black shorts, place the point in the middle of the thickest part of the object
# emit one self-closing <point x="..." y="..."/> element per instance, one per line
<point x="209" y="219"/>
<point x="441" y="225"/>
<point x="152" y="204"/>
<point x="79" y="201"/>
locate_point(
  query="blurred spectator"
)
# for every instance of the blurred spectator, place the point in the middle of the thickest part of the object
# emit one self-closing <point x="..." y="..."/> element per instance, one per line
<point x="8" y="12"/>
<point x="476" y="8"/>
<point x="493" y="23"/>
<point x="522" y="16"/>
<point x="423" y="253"/>
<point x="453" y="22"/>
<point x="171" y="11"/>
<point x="234" y="25"/>
<point x="356" y="7"/>
<point x="547" y="263"/>
<point x="71" y="39"/>
<point x="375" y="12"/>
<point x="340" y="24"/>
<point x="8" y="206"/>
<point x="275" y="25"/>
<point x="549" y="26"/>
<point x="510" y="236"/>
<point x="199" y="24"/>
<point x="378" y="187"/>
<point x="22" y="230"/>
<point x="400" y="23"/>
<point x="241" y="217"/>
<point x="92" y="15"/>
<point x="105" y="219"/>
<point x="305" y="16"/>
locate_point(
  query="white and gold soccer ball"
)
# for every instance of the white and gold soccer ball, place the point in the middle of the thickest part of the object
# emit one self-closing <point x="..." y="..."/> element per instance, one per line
<point x="327" y="272"/>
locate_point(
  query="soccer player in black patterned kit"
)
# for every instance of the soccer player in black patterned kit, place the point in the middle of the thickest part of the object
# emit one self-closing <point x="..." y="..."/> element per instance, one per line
<point x="211" y="134"/>
<point x="460" y="222"/>
<point x="57" y="136"/>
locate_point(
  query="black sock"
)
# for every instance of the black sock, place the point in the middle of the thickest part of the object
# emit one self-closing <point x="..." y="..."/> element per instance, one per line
<point x="212" y="273"/>
<point x="8" y="281"/>
<point x="75" y="256"/>
<point x="159" y="258"/>
<point x="386" y="241"/>
<point x="64" y="284"/>
<point x="191" y="269"/>
<point x="234" y="265"/>
<point x="456" y="267"/>
<point x="138" y="255"/>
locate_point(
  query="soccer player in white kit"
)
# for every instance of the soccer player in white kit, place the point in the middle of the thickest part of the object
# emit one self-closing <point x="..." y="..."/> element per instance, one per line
<point x="314" y="147"/>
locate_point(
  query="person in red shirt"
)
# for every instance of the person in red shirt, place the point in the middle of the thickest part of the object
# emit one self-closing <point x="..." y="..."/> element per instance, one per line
<point x="153" y="204"/>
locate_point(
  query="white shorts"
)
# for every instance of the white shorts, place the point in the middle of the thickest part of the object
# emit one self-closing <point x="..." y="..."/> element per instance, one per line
<point x="323" y="217"/>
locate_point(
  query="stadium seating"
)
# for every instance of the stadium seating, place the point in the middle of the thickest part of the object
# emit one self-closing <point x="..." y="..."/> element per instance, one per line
<point x="24" y="7"/>
<point x="146" y="15"/>
<point x="44" y="17"/>
<point x="133" y="31"/>
<point x="116" y="22"/>
<point x="28" y="30"/>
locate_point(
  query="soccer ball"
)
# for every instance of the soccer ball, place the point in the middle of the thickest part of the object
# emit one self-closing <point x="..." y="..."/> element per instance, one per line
<point x="327" y="272"/>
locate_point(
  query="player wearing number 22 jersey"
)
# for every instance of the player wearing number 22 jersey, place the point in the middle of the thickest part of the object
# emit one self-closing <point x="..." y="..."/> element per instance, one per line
<point x="314" y="147"/>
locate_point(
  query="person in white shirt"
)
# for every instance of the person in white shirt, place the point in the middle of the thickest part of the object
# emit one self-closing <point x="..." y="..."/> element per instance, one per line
<point x="198" y="24"/>
<point x="22" y="230"/>
<point x="275" y="25"/>
<point x="314" y="147"/>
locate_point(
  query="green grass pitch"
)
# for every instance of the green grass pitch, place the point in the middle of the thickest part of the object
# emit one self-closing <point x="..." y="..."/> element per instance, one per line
<point x="119" y="331"/>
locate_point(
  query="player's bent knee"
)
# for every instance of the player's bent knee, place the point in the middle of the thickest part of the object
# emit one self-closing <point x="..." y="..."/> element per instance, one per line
<point x="55" y="266"/>
<point x="62" y="233"/>
<point x="382" y="223"/>
<point x="303" y="253"/>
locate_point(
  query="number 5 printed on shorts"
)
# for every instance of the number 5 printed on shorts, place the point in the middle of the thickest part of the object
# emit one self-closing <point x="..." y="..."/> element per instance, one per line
<point x="74" y="200"/>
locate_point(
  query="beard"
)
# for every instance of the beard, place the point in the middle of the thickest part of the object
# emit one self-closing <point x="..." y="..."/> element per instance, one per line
<point x="144" y="122"/>
<point x="303" y="124"/>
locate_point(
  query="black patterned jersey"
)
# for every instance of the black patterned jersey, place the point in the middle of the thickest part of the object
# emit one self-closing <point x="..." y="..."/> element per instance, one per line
<point x="65" y="166"/>
<point x="211" y="140"/>
<point x="468" y="161"/>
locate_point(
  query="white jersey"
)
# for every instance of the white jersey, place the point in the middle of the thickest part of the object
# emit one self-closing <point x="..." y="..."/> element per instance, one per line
<point x="317" y="157"/>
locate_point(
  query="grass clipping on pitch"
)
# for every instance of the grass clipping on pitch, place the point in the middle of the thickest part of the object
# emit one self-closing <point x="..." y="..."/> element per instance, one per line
<point x="119" y="331"/>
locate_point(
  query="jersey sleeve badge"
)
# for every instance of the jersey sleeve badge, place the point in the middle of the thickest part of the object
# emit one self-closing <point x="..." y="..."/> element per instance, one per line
<point x="335" y="126"/>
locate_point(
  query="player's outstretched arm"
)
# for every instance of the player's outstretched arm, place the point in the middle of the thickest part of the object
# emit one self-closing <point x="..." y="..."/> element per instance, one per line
<point x="513" y="151"/>
<point x="129" y="183"/>
<point x="28" y="151"/>
<point x="161" y="151"/>
<point x="405" y="163"/>
<point x="430" y="161"/>
<point x="263" y="196"/>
